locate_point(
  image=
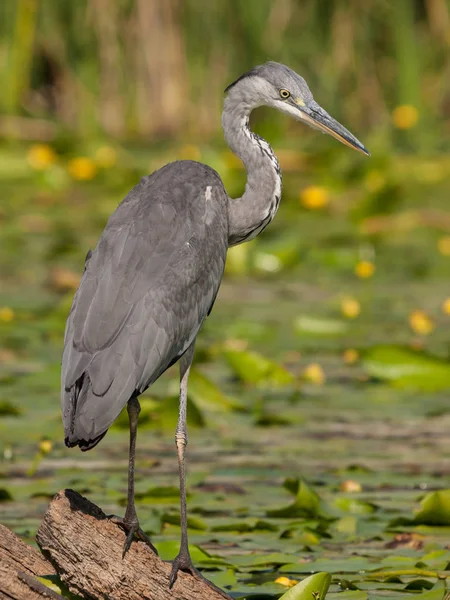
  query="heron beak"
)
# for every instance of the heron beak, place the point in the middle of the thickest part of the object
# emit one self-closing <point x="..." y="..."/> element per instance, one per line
<point x="318" y="118"/>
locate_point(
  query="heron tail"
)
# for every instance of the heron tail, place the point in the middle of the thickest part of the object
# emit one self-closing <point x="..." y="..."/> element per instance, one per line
<point x="77" y="395"/>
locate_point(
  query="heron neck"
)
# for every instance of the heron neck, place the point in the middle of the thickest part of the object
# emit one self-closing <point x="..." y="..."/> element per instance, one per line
<point x="252" y="212"/>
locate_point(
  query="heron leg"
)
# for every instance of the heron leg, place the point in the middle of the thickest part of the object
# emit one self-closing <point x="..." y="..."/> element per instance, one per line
<point x="130" y="522"/>
<point x="183" y="560"/>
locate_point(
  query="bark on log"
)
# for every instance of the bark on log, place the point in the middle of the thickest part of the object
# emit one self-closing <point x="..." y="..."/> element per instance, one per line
<point x="86" y="549"/>
<point x="19" y="566"/>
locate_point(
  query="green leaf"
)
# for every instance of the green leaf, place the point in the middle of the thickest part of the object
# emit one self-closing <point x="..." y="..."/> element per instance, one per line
<point x="156" y="495"/>
<point x="313" y="587"/>
<point x="307" y="504"/>
<point x="355" y="506"/>
<point x="5" y="496"/>
<point x="193" y="522"/>
<point x="8" y="409"/>
<point x="318" y="326"/>
<point x="260" y="560"/>
<point x="245" y="525"/>
<point x="348" y="595"/>
<point x="256" y="369"/>
<point x="437" y="592"/>
<point x="435" y="509"/>
<point x="351" y="564"/>
<point x="168" y="549"/>
<point x="223" y="579"/>
<point x="407" y="368"/>
<point x="206" y="395"/>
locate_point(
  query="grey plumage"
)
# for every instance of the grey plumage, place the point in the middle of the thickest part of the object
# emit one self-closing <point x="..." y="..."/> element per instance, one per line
<point x="146" y="290"/>
<point x="155" y="273"/>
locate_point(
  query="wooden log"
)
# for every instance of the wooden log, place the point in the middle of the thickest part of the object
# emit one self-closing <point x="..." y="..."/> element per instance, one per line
<point x="86" y="549"/>
<point x="20" y="564"/>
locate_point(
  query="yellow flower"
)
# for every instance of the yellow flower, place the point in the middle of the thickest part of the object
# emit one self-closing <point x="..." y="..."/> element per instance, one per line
<point x="420" y="322"/>
<point x="444" y="245"/>
<point x="82" y="168"/>
<point x="364" y="269"/>
<point x="350" y="485"/>
<point x="314" y="197"/>
<point x="405" y="116"/>
<point x="45" y="446"/>
<point x="446" y="306"/>
<point x="106" y="157"/>
<point x="6" y="314"/>
<point x="314" y="374"/>
<point x="350" y="356"/>
<point x="41" y="156"/>
<point x="286" y="581"/>
<point x="350" y="307"/>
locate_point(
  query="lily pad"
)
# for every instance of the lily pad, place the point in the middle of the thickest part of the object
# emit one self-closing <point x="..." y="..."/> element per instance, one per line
<point x="437" y="592"/>
<point x="307" y="503"/>
<point x="208" y="396"/>
<point x="305" y="324"/>
<point x="256" y="369"/>
<point x="5" y="495"/>
<point x="313" y="587"/>
<point x="435" y="509"/>
<point x="407" y="368"/>
<point x="355" y="506"/>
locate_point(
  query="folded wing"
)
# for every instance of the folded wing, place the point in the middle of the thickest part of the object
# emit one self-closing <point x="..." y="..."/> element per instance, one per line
<point x="146" y="289"/>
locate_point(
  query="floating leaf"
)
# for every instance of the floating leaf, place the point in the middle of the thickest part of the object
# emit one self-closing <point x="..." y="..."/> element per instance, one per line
<point x="313" y="587"/>
<point x="8" y="409"/>
<point x="319" y="326"/>
<point x="5" y="496"/>
<point x="260" y="560"/>
<point x="407" y="368"/>
<point x="208" y="396"/>
<point x="193" y="522"/>
<point x="435" y="509"/>
<point x="355" y="506"/>
<point x="348" y="595"/>
<point x="159" y="494"/>
<point x="223" y="579"/>
<point x="352" y="564"/>
<point x="245" y="525"/>
<point x="256" y="369"/>
<point x="437" y="592"/>
<point x="168" y="549"/>
<point x="307" y="504"/>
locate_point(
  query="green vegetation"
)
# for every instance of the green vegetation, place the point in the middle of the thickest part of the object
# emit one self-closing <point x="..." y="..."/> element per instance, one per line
<point x="319" y="411"/>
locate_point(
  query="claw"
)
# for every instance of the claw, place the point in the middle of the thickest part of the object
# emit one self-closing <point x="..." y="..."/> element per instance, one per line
<point x="132" y="529"/>
<point x="183" y="562"/>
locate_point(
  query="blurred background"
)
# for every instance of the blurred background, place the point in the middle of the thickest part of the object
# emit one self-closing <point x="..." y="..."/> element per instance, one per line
<point x="331" y="332"/>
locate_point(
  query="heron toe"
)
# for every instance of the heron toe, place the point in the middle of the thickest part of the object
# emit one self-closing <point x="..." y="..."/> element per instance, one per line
<point x="132" y="529"/>
<point x="183" y="562"/>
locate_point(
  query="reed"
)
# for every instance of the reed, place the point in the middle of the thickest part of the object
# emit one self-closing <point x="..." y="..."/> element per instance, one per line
<point x="139" y="68"/>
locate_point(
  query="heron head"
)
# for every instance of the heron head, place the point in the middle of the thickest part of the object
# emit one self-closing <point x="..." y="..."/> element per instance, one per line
<point x="273" y="84"/>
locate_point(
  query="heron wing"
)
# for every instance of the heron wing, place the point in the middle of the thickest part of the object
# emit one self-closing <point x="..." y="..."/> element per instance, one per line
<point x="145" y="291"/>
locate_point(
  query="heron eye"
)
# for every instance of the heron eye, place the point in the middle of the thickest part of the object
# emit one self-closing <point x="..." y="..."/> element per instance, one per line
<point x="284" y="94"/>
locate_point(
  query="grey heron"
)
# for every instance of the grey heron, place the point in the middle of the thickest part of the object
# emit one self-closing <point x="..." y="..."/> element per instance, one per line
<point x="153" y="277"/>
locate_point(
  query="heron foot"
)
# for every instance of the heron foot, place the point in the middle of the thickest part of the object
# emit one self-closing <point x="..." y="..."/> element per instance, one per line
<point x="132" y="529"/>
<point x="183" y="562"/>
